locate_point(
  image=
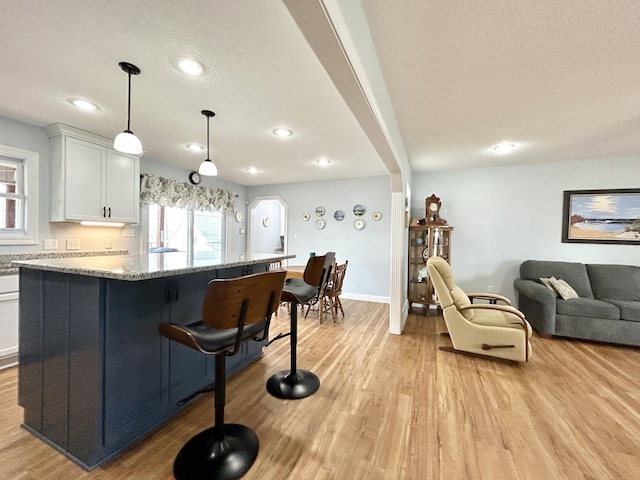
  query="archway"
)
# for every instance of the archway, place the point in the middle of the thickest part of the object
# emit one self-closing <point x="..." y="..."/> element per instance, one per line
<point x="267" y="225"/>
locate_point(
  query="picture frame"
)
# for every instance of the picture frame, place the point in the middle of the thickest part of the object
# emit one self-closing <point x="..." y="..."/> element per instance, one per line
<point x="608" y="216"/>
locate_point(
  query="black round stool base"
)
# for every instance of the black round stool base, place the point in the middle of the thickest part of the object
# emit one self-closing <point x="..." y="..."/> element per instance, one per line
<point x="300" y="385"/>
<point x="203" y="457"/>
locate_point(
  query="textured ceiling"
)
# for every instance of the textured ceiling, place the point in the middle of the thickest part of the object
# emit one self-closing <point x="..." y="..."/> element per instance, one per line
<point x="560" y="77"/>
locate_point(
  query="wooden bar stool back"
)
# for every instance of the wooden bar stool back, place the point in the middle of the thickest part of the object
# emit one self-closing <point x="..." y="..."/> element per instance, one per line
<point x="297" y="383"/>
<point x="234" y="311"/>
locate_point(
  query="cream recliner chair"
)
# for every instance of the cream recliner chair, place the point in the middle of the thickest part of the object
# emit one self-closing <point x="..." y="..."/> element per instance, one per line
<point x="484" y="329"/>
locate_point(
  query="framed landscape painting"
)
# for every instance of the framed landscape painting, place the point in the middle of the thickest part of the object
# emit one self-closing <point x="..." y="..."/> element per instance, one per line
<point x="601" y="216"/>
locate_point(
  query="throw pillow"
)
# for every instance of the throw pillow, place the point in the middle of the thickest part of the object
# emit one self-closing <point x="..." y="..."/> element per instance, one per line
<point x="564" y="289"/>
<point x="547" y="283"/>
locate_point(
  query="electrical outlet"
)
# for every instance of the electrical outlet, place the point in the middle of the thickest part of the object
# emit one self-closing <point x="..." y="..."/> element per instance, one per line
<point x="51" y="244"/>
<point x="108" y="243"/>
<point x="490" y="289"/>
<point x="128" y="232"/>
<point x="73" y="244"/>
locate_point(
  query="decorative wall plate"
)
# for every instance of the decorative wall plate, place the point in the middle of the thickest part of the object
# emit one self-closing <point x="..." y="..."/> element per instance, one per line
<point x="338" y="215"/>
<point x="358" y="224"/>
<point x="319" y="211"/>
<point x="358" y="210"/>
<point x="320" y="224"/>
<point x="266" y="222"/>
<point x="239" y="216"/>
<point x="376" y="216"/>
<point x="305" y="216"/>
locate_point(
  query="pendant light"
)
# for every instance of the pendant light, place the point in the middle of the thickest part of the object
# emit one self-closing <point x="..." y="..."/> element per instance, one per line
<point x="207" y="167"/>
<point x="126" y="141"/>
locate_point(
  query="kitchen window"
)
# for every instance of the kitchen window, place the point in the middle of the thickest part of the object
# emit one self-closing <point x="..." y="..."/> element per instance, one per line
<point x="18" y="196"/>
<point x="177" y="229"/>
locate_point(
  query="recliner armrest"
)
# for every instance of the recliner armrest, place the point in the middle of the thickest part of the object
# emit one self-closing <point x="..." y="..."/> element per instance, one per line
<point x="488" y="296"/>
<point x="503" y="308"/>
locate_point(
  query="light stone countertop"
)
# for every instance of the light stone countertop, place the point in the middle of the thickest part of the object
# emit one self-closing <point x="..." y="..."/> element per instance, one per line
<point x="148" y="265"/>
<point x="7" y="269"/>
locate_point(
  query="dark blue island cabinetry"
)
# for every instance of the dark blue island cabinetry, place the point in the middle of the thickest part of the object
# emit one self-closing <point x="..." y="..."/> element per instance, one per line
<point x="95" y="375"/>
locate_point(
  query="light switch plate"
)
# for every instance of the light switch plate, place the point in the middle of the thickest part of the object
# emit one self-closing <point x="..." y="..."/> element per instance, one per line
<point x="51" y="244"/>
<point x="128" y="232"/>
<point x="73" y="244"/>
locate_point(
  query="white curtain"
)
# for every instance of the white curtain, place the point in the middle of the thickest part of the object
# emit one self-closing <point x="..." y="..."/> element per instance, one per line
<point x="172" y="193"/>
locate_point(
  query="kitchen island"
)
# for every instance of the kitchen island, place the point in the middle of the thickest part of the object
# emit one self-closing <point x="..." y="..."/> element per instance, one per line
<point x="95" y="374"/>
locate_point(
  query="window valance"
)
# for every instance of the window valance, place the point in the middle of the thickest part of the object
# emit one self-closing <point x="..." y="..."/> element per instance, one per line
<point x="173" y="193"/>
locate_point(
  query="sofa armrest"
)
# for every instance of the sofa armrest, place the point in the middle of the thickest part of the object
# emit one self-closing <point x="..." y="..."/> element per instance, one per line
<point x="538" y="303"/>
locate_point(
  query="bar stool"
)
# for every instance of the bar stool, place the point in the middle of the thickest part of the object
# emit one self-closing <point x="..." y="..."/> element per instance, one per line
<point x="234" y="311"/>
<point x="296" y="383"/>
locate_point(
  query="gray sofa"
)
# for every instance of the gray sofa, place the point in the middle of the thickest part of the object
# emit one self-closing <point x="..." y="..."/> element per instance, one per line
<point x="607" y="310"/>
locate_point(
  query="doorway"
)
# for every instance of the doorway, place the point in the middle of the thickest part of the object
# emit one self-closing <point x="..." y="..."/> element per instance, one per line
<point x="267" y="225"/>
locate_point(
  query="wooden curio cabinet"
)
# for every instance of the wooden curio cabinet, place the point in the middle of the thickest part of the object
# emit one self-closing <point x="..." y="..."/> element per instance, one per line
<point x="426" y="240"/>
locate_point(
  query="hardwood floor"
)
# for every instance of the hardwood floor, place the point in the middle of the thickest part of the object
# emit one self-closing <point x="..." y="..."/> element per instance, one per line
<point x="395" y="407"/>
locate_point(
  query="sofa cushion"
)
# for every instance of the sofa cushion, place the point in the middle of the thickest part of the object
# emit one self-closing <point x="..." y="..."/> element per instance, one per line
<point x="629" y="310"/>
<point x="547" y="283"/>
<point x="563" y="289"/>
<point x="621" y="282"/>
<point x="575" y="274"/>
<point x="587" y="307"/>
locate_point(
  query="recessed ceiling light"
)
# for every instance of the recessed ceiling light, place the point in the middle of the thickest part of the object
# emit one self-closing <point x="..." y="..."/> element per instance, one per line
<point x="189" y="66"/>
<point x="282" y="132"/>
<point x="323" y="162"/>
<point x="253" y="170"/>
<point x="194" y="147"/>
<point x="502" y="148"/>
<point x="83" y="104"/>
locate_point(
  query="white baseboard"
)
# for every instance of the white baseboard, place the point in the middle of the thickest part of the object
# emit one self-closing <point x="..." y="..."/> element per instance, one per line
<point x="365" y="298"/>
<point x="9" y="358"/>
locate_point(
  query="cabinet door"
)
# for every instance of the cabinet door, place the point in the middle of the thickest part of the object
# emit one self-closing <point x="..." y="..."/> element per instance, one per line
<point x="122" y="186"/>
<point x="189" y="370"/>
<point x="83" y="180"/>
<point x="8" y="324"/>
<point x="136" y="367"/>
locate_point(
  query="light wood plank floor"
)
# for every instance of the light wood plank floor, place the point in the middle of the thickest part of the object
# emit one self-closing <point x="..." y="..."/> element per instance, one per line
<point x="395" y="407"/>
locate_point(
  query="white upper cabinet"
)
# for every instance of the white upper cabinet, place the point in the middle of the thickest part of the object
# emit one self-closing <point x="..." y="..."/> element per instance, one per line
<point x="90" y="180"/>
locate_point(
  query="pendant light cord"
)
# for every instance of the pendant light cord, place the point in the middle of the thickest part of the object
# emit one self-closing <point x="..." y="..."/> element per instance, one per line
<point x="208" y="138"/>
<point x="129" y="106"/>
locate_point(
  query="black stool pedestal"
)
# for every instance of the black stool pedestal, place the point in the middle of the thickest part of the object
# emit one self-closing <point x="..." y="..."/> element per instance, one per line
<point x="205" y="457"/>
<point x="293" y="384"/>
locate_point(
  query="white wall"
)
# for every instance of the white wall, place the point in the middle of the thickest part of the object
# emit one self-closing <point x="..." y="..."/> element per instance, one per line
<point x="266" y="238"/>
<point x="367" y="250"/>
<point x="505" y="215"/>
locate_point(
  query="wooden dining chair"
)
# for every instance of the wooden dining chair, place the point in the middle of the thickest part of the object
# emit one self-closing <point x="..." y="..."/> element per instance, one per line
<point x="329" y="301"/>
<point x="276" y="265"/>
